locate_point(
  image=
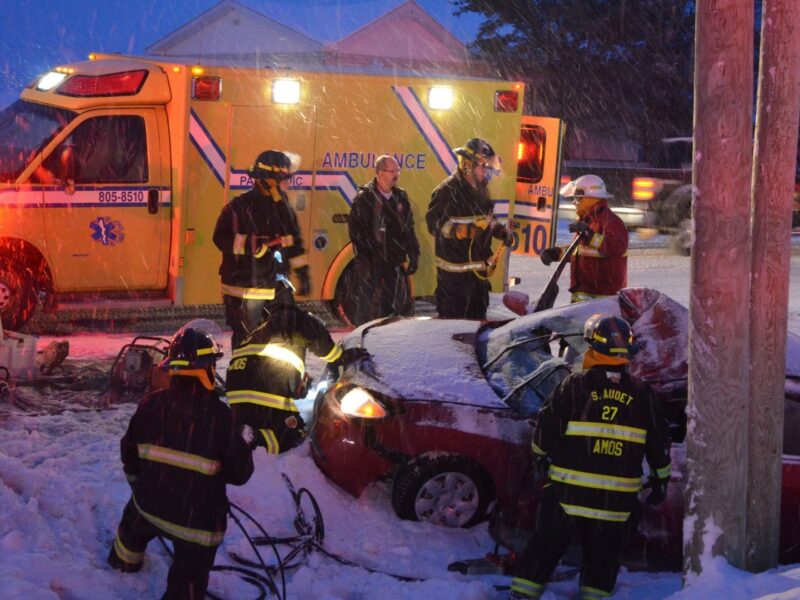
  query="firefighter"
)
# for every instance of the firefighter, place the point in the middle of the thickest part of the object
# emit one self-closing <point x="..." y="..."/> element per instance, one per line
<point x="267" y="373"/>
<point x="381" y="227"/>
<point x="599" y="266"/>
<point x="590" y="438"/>
<point x="180" y="450"/>
<point x="259" y="237"/>
<point x="460" y="219"/>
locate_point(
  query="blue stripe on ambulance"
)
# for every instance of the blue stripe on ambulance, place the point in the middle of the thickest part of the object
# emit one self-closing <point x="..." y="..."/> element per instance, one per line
<point x="528" y="211"/>
<point x="205" y="144"/>
<point x="430" y="133"/>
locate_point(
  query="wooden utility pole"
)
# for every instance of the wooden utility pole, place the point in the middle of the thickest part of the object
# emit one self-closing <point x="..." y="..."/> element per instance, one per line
<point x="775" y="154"/>
<point x="719" y="306"/>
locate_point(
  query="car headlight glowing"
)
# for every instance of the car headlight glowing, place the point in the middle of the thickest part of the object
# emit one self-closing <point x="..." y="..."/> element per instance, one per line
<point x="358" y="402"/>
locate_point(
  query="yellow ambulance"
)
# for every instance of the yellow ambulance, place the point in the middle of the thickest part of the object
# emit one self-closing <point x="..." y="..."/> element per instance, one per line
<point x="113" y="172"/>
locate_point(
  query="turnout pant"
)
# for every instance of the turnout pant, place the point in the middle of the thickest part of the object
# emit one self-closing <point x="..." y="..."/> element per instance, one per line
<point x="191" y="564"/>
<point x="601" y="541"/>
<point x="274" y="429"/>
<point x="461" y="295"/>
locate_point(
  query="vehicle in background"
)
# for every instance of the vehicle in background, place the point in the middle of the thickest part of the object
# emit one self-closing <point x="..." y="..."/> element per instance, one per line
<point x="113" y="172"/>
<point x="656" y="194"/>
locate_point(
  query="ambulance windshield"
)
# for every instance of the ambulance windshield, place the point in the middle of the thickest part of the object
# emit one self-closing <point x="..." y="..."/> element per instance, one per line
<point x="25" y="128"/>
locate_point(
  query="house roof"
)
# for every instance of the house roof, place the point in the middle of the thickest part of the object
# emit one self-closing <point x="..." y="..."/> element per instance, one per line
<point x="408" y="32"/>
<point x="230" y="28"/>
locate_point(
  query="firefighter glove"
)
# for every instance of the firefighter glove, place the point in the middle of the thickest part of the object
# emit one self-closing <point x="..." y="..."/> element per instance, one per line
<point x="550" y="255"/>
<point x="582" y="229"/>
<point x="249" y="437"/>
<point x="500" y="232"/>
<point x="413" y="264"/>
<point x="658" y="491"/>
<point x="304" y="287"/>
<point x="350" y="355"/>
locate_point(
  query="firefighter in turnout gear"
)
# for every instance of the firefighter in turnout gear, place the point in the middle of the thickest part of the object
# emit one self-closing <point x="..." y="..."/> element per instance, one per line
<point x="381" y="227"/>
<point x="460" y="219"/>
<point x="267" y="373"/>
<point x="590" y="437"/>
<point x="599" y="267"/>
<point x="259" y="237"/>
<point x="179" y="452"/>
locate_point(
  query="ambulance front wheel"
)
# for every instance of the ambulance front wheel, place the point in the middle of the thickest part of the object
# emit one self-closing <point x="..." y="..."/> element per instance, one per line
<point x="17" y="295"/>
<point x="350" y="289"/>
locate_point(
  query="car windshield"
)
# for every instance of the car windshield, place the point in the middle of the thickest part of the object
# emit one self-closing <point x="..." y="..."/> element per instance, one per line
<point x="25" y="128"/>
<point x="523" y="360"/>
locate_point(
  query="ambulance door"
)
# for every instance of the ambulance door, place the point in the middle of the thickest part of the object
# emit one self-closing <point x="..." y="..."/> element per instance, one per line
<point x="538" y="173"/>
<point x="288" y="129"/>
<point x="107" y="217"/>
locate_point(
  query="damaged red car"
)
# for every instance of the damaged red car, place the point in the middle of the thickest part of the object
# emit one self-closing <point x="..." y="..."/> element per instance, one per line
<point x="443" y="410"/>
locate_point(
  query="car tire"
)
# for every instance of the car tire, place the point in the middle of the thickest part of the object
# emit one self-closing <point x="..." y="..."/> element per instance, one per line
<point x="17" y="296"/>
<point x="345" y="298"/>
<point x="446" y="489"/>
<point x="683" y="238"/>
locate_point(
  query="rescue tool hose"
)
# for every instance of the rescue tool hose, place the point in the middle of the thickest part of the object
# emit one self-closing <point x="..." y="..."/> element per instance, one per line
<point x="263" y="583"/>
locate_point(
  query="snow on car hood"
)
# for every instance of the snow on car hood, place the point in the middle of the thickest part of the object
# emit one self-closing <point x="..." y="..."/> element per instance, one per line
<point x="423" y="359"/>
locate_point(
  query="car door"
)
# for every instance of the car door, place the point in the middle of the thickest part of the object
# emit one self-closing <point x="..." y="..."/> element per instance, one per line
<point x="108" y="210"/>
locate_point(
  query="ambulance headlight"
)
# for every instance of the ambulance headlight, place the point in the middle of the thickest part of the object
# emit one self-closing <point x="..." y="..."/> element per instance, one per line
<point x="440" y="97"/>
<point x="50" y="80"/>
<point x="286" y="91"/>
<point x="358" y="402"/>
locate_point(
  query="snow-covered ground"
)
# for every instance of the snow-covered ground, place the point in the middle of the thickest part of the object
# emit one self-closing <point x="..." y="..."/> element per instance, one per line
<point x="62" y="491"/>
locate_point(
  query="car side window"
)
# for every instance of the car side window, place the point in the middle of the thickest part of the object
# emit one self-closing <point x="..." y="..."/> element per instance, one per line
<point x="109" y="149"/>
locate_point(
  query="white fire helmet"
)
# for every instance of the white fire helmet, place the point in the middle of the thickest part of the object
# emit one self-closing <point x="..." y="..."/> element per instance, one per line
<point x="590" y="186"/>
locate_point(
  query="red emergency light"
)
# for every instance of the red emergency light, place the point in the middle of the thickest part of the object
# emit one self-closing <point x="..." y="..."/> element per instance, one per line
<point x="125" y="83"/>
<point x="206" y="87"/>
<point x="506" y="101"/>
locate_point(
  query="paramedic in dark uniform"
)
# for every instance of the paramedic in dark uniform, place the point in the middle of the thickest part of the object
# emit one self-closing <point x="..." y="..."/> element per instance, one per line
<point x="460" y="218"/>
<point x="179" y="452"/>
<point x="259" y="237"/>
<point x="381" y="227"/>
<point x="267" y="374"/>
<point x="590" y="438"/>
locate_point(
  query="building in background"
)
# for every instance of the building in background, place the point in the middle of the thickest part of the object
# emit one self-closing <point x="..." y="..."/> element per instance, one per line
<point x="404" y="39"/>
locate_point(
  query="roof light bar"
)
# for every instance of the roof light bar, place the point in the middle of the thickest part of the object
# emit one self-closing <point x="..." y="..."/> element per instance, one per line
<point x="50" y="80"/>
<point x="125" y="83"/>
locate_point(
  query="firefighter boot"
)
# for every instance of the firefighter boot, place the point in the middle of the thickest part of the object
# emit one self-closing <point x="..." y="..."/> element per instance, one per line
<point x="120" y="565"/>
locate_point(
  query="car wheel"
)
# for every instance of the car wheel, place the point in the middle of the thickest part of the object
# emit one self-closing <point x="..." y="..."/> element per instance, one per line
<point x="448" y="490"/>
<point x="683" y="239"/>
<point x="345" y="298"/>
<point x="17" y="296"/>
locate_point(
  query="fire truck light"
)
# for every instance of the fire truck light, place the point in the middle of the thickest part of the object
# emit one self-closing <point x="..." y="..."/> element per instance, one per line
<point x="50" y="80"/>
<point x="286" y="91"/>
<point x="440" y="97"/>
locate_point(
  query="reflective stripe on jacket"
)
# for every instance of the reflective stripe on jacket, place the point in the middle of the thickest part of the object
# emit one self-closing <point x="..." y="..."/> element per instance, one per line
<point x="597" y="427"/>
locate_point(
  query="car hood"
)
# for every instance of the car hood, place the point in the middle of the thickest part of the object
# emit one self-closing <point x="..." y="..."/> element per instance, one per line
<point x="422" y="359"/>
